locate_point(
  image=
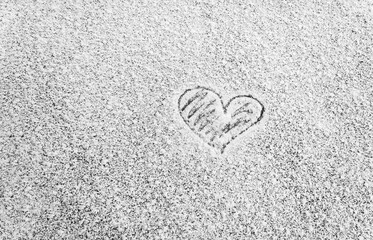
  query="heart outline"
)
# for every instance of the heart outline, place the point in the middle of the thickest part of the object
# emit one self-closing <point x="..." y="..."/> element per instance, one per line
<point x="225" y="108"/>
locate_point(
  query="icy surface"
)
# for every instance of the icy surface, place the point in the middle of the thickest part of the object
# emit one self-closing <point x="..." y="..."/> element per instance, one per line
<point x="92" y="145"/>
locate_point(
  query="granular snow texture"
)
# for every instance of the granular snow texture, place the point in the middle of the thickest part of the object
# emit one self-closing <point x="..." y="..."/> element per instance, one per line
<point x="92" y="145"/>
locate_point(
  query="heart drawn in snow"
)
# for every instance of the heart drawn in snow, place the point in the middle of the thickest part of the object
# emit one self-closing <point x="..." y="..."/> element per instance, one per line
<point x="217" y="124"/>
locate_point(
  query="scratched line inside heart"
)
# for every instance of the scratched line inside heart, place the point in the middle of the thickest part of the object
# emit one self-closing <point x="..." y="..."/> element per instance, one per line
<point x="204" y="112"/>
